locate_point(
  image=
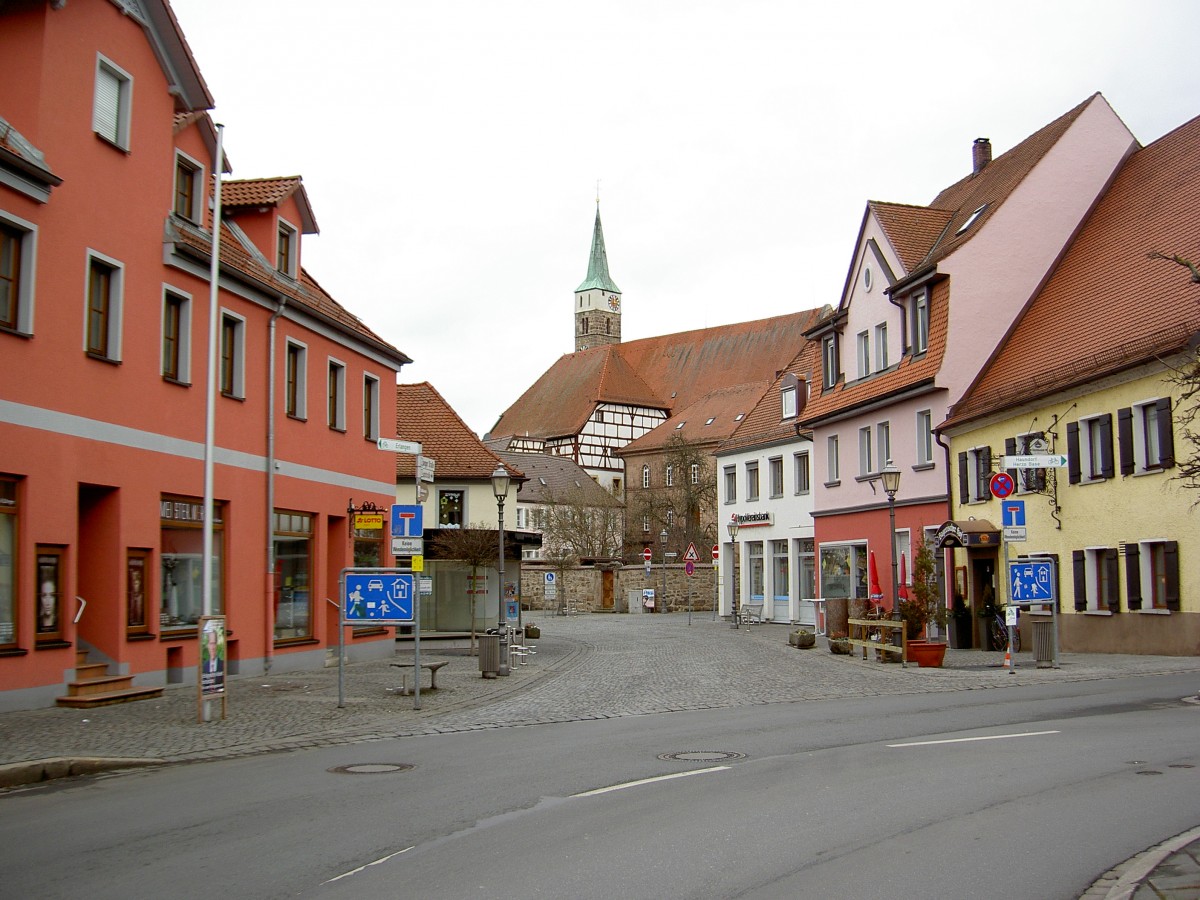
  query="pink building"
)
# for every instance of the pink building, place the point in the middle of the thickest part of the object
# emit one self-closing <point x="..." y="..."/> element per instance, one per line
<point x="106" y="163"/>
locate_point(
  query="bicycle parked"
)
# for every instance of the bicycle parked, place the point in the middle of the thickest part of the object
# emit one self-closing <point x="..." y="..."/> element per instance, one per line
<point x="998" y="630"/>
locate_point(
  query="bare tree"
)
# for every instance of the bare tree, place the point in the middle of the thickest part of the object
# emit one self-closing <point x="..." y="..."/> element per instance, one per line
<point x="581" y="525"/>
<point x="685" y="506"/>
<point x="478" y="546"/>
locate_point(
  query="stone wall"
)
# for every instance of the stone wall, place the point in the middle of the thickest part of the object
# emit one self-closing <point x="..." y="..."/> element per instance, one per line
<point x="584" y="585"/>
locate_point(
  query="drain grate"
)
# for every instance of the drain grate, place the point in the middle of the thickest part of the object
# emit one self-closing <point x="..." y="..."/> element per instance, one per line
<point x="703" y="755"/>
<point x="370" y="769"/>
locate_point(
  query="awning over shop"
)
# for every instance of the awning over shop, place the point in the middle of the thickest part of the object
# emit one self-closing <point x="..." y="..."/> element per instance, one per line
<point x="971" y="533"/>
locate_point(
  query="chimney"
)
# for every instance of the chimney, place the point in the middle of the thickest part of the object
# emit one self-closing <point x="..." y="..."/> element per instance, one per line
<point x="981" y="154"/>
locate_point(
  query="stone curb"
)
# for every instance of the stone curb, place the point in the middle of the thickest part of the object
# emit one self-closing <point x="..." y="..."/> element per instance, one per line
<point x="35" y="771"/>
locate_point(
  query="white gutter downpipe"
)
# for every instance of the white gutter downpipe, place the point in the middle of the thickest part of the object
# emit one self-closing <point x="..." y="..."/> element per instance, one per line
<point x="269" y="649"/>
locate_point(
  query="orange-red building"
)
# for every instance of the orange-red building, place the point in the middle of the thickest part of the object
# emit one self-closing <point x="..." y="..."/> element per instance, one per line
<point x="106" y="163"/>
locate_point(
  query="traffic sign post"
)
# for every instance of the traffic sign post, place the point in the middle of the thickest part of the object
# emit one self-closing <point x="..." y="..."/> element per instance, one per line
<point x="1001" y="485"/>
<point x="379" y="596"/>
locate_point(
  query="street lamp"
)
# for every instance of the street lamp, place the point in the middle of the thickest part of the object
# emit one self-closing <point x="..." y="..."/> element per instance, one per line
<point x="890" y="476"/>
<point x="500" y="483"/>
<point x="662" y="539"/>
<point x="733" y="530"/>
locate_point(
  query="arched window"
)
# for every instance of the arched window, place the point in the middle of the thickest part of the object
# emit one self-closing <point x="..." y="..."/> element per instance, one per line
<point x="645" y="476"/>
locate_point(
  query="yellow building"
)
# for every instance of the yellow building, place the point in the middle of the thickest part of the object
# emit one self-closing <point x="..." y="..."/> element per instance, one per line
<point x="1088" y="374"/>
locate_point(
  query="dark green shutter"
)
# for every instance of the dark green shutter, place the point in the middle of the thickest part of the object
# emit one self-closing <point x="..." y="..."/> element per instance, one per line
<point x="1171" y="559"/>
<point x="1074" y="472"/>
<point x="1079" y="570"/>
<point x="1106" y="454"/>
<point x="964" y="496"/>
<point x="1125" y="439"/>
<point x="1166" y="433"/>
<point x="1113" y="580"/>
<point x="1133" y="577"/>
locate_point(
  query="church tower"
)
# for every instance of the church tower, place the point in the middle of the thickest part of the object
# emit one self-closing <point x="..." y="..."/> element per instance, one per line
<point x="598" y="299"/>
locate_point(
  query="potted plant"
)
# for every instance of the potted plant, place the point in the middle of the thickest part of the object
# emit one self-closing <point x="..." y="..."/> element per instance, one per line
<point x="921" y="607"/>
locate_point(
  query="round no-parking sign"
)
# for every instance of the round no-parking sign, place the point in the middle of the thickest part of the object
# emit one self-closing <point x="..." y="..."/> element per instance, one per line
<point x="1001" y="485"/>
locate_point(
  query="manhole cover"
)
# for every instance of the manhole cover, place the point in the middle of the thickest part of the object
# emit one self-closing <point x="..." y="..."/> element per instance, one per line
<point x="1148" y="772"/>
<point x="702" y="755"/>
<point x="1181" y="766"/>
<point x="370" y="769"/>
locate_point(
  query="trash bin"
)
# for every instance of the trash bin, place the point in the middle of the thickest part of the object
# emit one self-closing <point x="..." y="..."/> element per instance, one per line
<point x="1043" y="643"/>
<point x="489" y="655"/>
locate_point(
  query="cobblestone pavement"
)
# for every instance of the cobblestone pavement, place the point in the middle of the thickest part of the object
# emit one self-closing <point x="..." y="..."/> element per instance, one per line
<point x="586" y="667"/>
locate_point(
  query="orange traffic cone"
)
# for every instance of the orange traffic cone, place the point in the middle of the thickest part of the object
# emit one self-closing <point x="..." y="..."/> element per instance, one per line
<point x="1007" y="659"/>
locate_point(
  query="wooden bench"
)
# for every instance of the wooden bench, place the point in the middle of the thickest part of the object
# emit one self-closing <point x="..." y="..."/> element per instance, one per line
<point x="875" y="634"/>
<point x="433" y="670"/>
<point x="751" y="613"/>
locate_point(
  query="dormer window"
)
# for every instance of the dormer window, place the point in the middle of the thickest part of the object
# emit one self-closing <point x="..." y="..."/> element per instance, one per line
<point x="920" y="322"/>
<point x="789" y="397"/>
<point x="287" y="247"/>
<point x="189" y="188"/>
<point x="829" y="361"/>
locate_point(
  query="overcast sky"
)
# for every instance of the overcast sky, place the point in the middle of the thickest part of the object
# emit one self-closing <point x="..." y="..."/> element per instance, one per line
<point x="451" y="148"/>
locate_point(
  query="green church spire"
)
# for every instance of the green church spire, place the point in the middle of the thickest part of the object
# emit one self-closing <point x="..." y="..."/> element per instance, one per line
<point x="597" y="274"/>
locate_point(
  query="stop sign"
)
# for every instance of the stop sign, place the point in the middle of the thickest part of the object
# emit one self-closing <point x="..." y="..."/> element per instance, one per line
<point x="646" y="554"/>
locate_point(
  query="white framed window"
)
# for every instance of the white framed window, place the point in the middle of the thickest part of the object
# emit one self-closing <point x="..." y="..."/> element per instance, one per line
<point x="189" y="188"/>
<point x="1095" y="572"/>
<point x="1028" y="480"/>
<point x="335" y="395"/>
<point x="233" y="355"/>
<point x="296" y="380"/>
<point x="112" y="102"/>
<point x="645" y="476"/>
<point x="775" y="470"/>
<point x="864" y="354"/>
<point x="695" y="474"/>
<point x="787" y="402"/>
<point x="18" y="263"/>
<point x="829" y="360"/>
<point x="883" y="443"/>
<point x="522" y="518"/>
<point x="866" y="452"/>
<point x="670" y="475"/>
<point x="1147" y="438"/>
<point x="176" y="336"/>
<point x="924" y="437"/>
<point x="920" y="308"/>
<point x="287" y="248"/>
<point x="730" y="484"/>
<point x="974" y="473"/>
<point x="1152" y="575"/>
<point x="103" y="306"/>
<point x="646" y="524"/>
<point x="1090" y="449"/>
<point x="370" y="407"/>
<point x="832" y="463"/>
<point x="881" y="347"/>
<point x="801" y="472"/>
<point x="752" y="480"/>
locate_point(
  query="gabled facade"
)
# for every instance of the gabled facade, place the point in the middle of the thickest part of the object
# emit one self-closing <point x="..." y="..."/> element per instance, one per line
<point x="765" y="483"/>
<point x="1088" y="373"/>
<point x="106" y="168"/>
<point x="929" y="293"/>
<point x="460" y="497"/>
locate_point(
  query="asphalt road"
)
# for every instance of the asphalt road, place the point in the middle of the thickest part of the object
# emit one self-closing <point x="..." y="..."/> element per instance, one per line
<point x="1025" y="791"/>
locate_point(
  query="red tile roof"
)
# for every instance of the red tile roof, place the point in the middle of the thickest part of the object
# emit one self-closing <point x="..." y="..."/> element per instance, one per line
<point x="255" y="193"/>
<point x="1107" y="306"/>
<point x="726" y="407"/>
<point x="765" y="423"/>
<point x="669" y="372"/>
<point x="423" y="415"/>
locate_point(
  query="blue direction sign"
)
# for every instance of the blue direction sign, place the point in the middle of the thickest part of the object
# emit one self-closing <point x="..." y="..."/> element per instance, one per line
<point x="407" y="521"/>
<point x="379" y="597"/>
<point x="1031" y="581"/>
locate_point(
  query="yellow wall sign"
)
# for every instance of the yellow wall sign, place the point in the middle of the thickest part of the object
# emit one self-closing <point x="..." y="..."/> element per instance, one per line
<point x="368" y="521"/>
<point x="418" y="564"/>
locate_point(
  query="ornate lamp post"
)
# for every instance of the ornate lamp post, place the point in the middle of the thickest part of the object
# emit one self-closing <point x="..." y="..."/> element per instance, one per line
<point x="662" y="539"/>
<point x="890" y="476"/>
<point x="500" y="483"/>
<point x="733" y="530"/>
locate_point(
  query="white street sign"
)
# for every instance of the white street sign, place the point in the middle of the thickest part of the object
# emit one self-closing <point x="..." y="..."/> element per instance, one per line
<point x="403" y="546"/>
<point x="1034" y="461"/>
<point x="392" y="445"/>
<point x="1014" y="532"/>
<point x="425" y="467"/>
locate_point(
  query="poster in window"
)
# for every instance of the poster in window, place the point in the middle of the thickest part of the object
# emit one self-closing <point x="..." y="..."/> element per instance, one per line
<point x="49" y="593"/>
<point x="135" y="587"/>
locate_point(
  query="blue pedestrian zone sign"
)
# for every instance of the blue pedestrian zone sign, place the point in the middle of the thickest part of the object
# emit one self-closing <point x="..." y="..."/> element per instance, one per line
<point x="379" y="597"/>
<point x="1031" y="581"/>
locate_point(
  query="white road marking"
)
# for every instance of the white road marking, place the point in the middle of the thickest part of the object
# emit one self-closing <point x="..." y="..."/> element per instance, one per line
<point x="629" y="784"/>
<point x="367" y="866"/>
<point x="990" y="737"/>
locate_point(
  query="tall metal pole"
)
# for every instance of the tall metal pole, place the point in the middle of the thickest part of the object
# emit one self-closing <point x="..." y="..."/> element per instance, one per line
<point x="663" y="540"/>
<point x="502" y="627"/>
